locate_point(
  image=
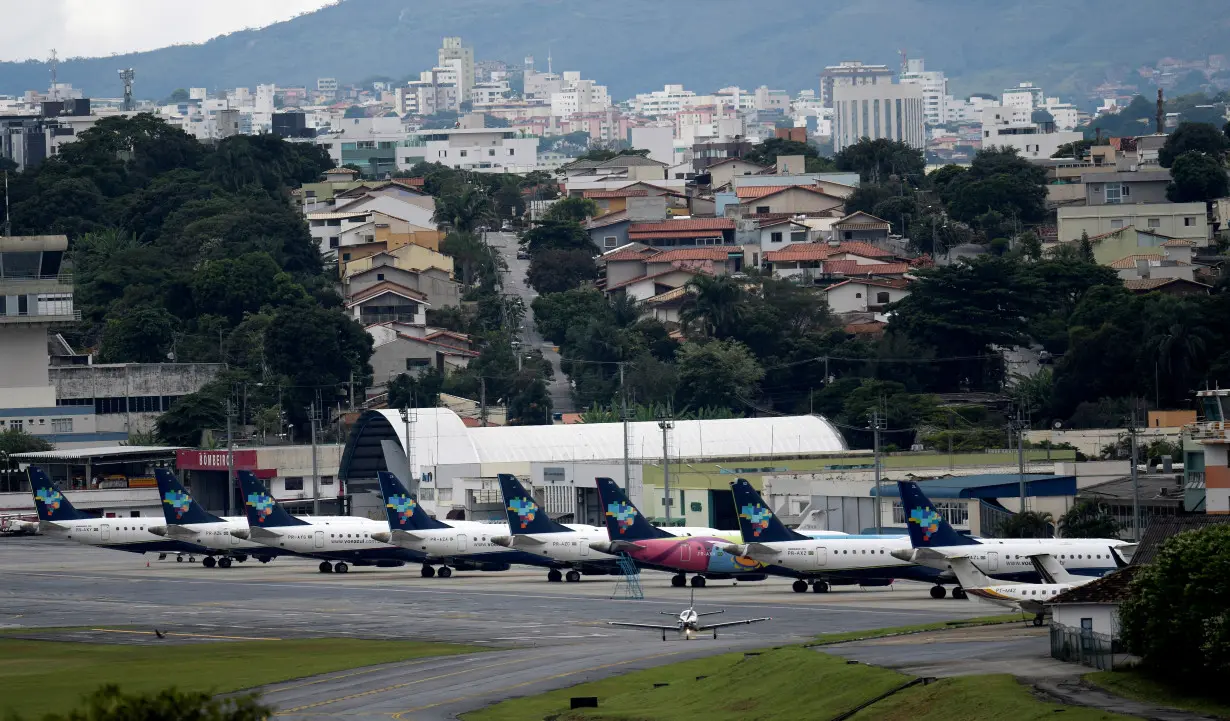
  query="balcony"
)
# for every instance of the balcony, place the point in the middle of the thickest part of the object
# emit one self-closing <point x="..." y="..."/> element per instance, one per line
<point x="49" y="317"/>
<point x="33" y="284"/>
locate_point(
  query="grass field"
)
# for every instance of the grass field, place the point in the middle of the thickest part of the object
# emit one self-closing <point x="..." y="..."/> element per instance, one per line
<point x="38" y="677"/>
<point x="1139" y="686"/>
<point x="974" y="698"/>
<point x="831" y="638"/>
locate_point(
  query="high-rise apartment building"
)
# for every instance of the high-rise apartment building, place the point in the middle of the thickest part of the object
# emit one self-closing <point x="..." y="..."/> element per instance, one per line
<point x="452" y="49"/>
<point x="886" y="110"/>
<point x="934" y="88"/>
<point x="851" y="73"/>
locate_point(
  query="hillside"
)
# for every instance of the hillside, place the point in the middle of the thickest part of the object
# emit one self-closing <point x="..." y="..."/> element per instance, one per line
<point x="640" y="45"/>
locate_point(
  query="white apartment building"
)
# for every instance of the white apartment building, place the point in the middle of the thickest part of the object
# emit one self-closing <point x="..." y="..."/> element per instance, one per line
<point x="668" y="101"/>
<point x="935" y="90"/>
<point x="766" y="99"/>
<point x="488" y="150"/>
<point x="851" y="73"/>
<point x="1013" y="127"/>
<point x="579" y="96"/>
<point x="1026" y="96"/>
<point x="736" y="98"/>
<point x="1066" y="115"/>
<point x="878" y="111"/>
<point x="452" y="53"/>
<point x="489" y="93"/>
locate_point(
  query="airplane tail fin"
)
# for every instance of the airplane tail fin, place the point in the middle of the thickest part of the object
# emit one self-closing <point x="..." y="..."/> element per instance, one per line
<point x="178" y="506"/>
<point x="927" y="527"/>
<point x="757" y="522"/>
<point x="48" y="501"/>
<point x="624" y="521"/>
<point x="524" y="515"/>
<point x="403" y="509"/>
<point x="968" y="575"/>
<point x="1050" y="569"/>
<point x="262" y="510"/>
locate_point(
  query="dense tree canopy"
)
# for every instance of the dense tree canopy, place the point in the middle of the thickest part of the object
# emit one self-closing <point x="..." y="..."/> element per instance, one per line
<point x="1189" y="137"/>
<point x="876" y="161"/>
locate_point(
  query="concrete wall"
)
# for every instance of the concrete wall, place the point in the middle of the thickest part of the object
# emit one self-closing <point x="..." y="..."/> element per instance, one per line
<point x="131" y="380"/>
<point x="1173" y="219"/>
<point x="1105" y="616"/>
<point x="1092" y="441"/>
<point x="793" y="201"/>
<point x="23" y="356"/>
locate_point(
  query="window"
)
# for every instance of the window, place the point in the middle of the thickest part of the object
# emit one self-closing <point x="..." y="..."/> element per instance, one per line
<point x="882" y="297"/>
<point x="775" y="237"/>
<point x="799" y="236"/>
<point x="334" y="241"/>
<point x="294" y="483"/>
<point x="61" y="425"/>
<point x="848" y="235"/>
<point x="1189" y="221"/>
<point x="345" y="256"/>
<point x="858" y="295"/>
<point x="491" y="151"/>
<point x="1155" y="222"/>
<point x="326" y="480"/>
<point x="463" y="153"/>
<point x="1114" y="193"/>
<point x="762" y="209"/>
<point x="610" y="241"/>
<point x="380" y="276"/>
<point x="15" y="425"/>
<point x="512" y="151"/>
<point x="414" y="363"/>
<point x="1116" y="223"/>
<point x="443" y="153"/>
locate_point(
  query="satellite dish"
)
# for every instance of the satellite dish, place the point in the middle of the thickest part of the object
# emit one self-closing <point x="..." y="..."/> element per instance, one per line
<point x="1057" y="425"/>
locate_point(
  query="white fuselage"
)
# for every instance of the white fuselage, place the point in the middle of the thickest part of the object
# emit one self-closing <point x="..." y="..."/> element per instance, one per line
<point x="215" y="536"/>
<point x="831" y="554"/>
<point x="565" y="547"/>
<point x="1030" y="597"/>
<point x="110" y="532"/>
<point x="465" y="538"/>
<point x="997" y="557"/>
<point x="323" y="535"/>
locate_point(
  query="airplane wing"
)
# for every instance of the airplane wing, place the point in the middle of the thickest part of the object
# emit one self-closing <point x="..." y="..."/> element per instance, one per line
<point x="1049" y="568"/>
<point x="407" y="535"/>
<point x="762" y="549"/>
<point x="654" y="626"/>
<point x="745" y="622"/>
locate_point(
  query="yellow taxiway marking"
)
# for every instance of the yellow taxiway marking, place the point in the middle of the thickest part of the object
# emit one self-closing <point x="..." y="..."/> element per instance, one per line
<point x="401" y="714"/>
<point x="394" y="687"/>
<point x="188" y="635"/>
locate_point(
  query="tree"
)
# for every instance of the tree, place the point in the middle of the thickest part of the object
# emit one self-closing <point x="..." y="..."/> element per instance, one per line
<point x="1176" y="617"/>
<point x="766" y="154"/>
<point x="557" y="235"/>
<point x="1077" y="150"/>
<point x="1029" y="524"/>
<point x="1193" y="138"/>
<point x="1089" y="519"/>
<point x="577" y="210"/>
<point x="555" y="271"/>
<point x="721" y="373"/>
<point x="475" y="257"/>
<point x="233" y="287"/>
<point x="108" y="703"/>
<point x="14" y="440"/>
<point x="1030" y="245"/>
<point x="1085" y="248"/>
<point x="143" y="335"/>
<point x="556" y="312"/>
<point x="316" y="349"/>
<point x="1197" y="178"/>
<point x="714" y="305"/>
<point x="530" y="403"/>
<point x="420" y="390"/>
<point x="193" y="414"/>
<point x="465" y="209"/>
<point x="997" y="180"/>
<point x="877" y="160"/>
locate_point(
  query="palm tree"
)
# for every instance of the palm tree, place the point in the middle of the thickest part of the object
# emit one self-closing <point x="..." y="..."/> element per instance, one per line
<point x="465" y="210"/>
<point x="1089" y="519"/>
<point x="1029" y="524"/>
<point x="716" y="303"/>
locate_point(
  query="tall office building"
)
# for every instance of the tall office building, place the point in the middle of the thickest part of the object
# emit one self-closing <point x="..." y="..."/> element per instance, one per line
<point x="851" y="73"/>
<point x="453" y="50"/>
<point x="878" y="111"/>
<point x="935" y="90"/>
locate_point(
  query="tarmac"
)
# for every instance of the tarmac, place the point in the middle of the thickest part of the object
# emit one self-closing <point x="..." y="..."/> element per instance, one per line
<point x="542" y="635"/>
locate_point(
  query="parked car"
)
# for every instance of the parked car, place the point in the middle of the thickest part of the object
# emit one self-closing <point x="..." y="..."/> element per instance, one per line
<point x="523" y="255"/>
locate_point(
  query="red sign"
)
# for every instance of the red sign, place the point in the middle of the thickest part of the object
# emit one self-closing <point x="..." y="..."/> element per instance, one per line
<point x="214" y="460"/>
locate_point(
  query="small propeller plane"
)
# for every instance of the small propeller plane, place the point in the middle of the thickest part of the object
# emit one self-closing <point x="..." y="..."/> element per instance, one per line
<point x="688" y="624"/>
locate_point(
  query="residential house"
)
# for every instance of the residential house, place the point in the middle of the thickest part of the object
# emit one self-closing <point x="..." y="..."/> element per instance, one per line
<point x="387" y="301"/>
<point x="622" y="167"/>
<point x="774" y="233"/>
<point x="666" y="307"/>
<point x="1132" y="241"/>
<point x="862" y="227"/>
<point x="827" y="263"/>
<point x="610" y="231"/>
<point x="761" y="200"/>
<point x="617" y="199"/>
<point x="865" y="295"/>
<point x="1153" y="266"/>
<point x="641" y="273"/>
<point x="689" y="232"/>
<point x="724" y="172"/>
<point x="435" y="284"/>
<point x="1169" y="286"/>
<point x="1090" y="614"/>
<point x="613" y="201"/>
<point x="401" y="348"/>
<point x="1183" y="221"/>
<point x="1125" y="187"/>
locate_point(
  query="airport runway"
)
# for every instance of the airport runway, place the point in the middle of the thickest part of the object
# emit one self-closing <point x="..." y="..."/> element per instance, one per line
<point x="543" y="636"/>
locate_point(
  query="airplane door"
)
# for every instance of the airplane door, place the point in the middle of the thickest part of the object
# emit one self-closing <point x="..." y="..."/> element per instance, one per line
<point x="320" y="539"/>
<point x="822" y="557"/>
<point x="463" y="542"/>
<point x="584" y="548"/>
<point x="106" y="531"/>
<point x="992" y="561"/>
<point x="685" y="551"/>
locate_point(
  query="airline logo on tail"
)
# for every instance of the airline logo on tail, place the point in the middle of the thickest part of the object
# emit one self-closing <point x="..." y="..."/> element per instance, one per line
<point x="179" y="501"/>
<point x="927" y="520"/>
<point x="525" y="509"/>
<point x="404" y="505"/>
<point x="758" y="516"/>
<point x="623" y="513"/>
<point x="49" y="497"/>
<point x="263" y="505"/>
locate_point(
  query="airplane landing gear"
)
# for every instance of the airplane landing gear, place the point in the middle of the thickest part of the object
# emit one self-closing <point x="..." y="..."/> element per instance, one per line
<point x="340" y="567"/>
<point x="554" y="576"/>
<point x="444" y="572"/>
<point x="573" y="577"/>
<point x="959" y="593"/>
<point x="224" y="562"/>
<point x="820" y="587"/>
<point x="191" y="559"/>
<point x="326" y="567"/>
<point x="1038" y="620"/>
<point x="265" y="559"/>
<point x="799" y="586"/>
<point x="698" y="581"/>
<point x="938" y="592"/>
<point x="240" y="557"/>
<point x="162" y="556"/>
<point x="179" y="558"/>
<point x="207" y="562"/>
<point x="679" y="580"/>
<point x="428" y="571"/>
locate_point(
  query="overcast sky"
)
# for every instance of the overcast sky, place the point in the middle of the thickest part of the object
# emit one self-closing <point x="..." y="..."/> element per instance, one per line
<point x="102" y="27"/>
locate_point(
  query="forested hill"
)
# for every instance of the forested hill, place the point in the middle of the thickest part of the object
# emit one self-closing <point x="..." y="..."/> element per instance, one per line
<point x="640" y="45"/>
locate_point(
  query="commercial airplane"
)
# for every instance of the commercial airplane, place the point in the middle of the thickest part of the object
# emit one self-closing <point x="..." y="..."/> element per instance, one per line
<point x="847" y="560"/>
<point x="187" y="521"/>
<point x="532" y="531"/>
<point x="463" y="545"/>
<point x="682" y="550"/>
<point x="1027" y="597"/>
<point x="1002" y="558"/>
<point x="59" y="519"/>
<point x="687" y="623"/>
<point x="341" y="539"/>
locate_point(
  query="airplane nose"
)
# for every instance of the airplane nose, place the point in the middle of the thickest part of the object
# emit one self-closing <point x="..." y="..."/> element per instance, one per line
<point x="903" y="554"/>
<point x="601" y="546"/>
<point x="157" y="530"/>
<point x="241" y="533"/>
<point x="382" y="536"/>
<point x="505" y="541"/>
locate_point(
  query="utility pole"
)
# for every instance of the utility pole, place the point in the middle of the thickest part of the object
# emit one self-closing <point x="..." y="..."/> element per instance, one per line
<point x="1135" y="475"/>
<point x="1020" y="456"/>
<point x="623" y="417"/>
<point x="230" y="456"/>
<point x="666" y="426"/>
<point x="482" y="401"/>
<point x="875" y="430"/>
<point x="8" y="219"/>
<point x="314" y="421"/>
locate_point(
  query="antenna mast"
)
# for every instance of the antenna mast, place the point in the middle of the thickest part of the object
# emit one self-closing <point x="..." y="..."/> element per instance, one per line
<point x="55" y="86"/>
<point x="127" y="75"/>
<point x="8" y="220"/>
<point x="1161" y="113"/>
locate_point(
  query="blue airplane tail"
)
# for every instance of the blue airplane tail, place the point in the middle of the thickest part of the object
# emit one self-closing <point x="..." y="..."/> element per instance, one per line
<point x="262" y="510"/>
<point x="623" y="521"/>
<point x="524" y="514"/>
<point x="757" y="522"/>
<point x="48" y="501"/>
<point x="178" y="506"/>
<point x="403" y="509"/>
<point x="926" y="526"/>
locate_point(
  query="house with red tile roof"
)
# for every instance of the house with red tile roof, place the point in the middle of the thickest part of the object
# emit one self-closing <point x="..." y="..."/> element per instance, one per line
<point x="865" y="295"/>
<point x="762" y="200"/>
<point x="862" y="227"/>
<point x="404" y="348"/>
